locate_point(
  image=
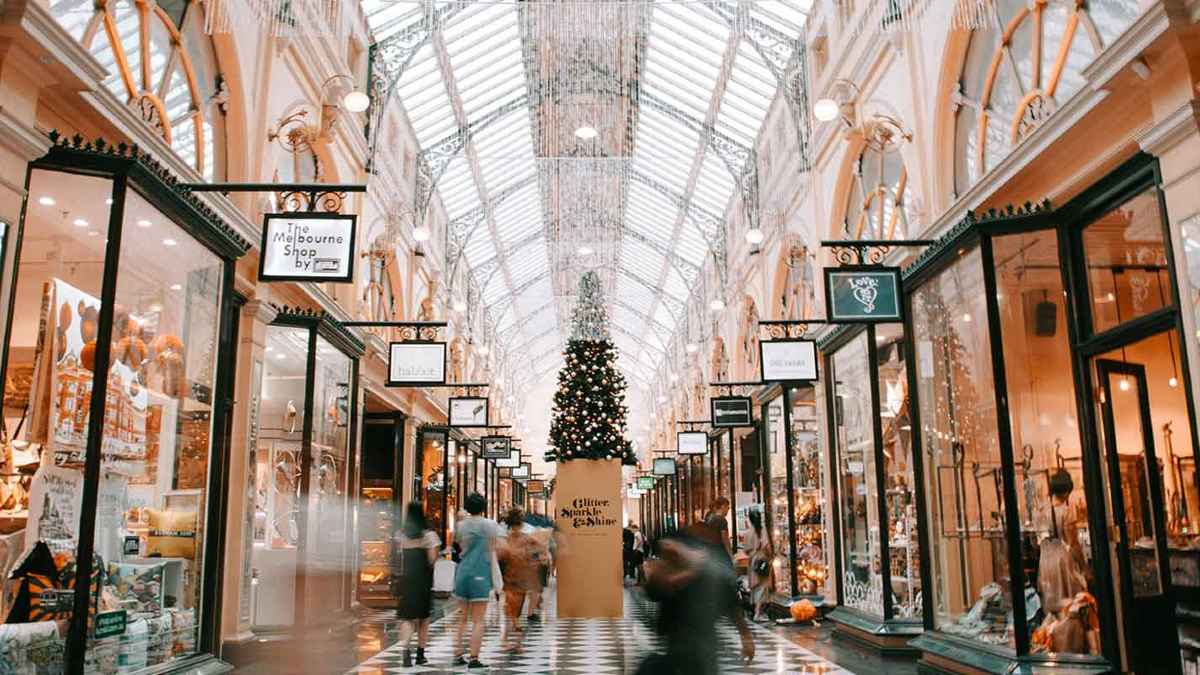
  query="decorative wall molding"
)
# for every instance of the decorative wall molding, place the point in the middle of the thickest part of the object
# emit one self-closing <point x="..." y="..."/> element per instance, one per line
<point x="1172" y="130"/>
<point x="21" y="139"/>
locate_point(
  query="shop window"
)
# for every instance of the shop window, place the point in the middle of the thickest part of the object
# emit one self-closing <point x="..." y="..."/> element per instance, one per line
<point x="1127" y="262"/>
<point x="1045" y="432"/>
<point x="879" y="200"/>
<point x="963" y="466"/>
<point x="777" y="489"/>
<point x="808" y="480"/>
<point x="862" y="585"/>
<point x="1021" y="70"/>
<point x="431" y="479"/>
<point x="147" y="596"/>
<point x="162" y="64"/>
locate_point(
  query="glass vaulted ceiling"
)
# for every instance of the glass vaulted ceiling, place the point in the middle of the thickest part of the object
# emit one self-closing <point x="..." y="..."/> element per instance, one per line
<point x="477" y="70"/>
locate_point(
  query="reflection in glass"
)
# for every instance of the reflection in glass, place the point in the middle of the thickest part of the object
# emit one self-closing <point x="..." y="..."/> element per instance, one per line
<point x="1041" y="406"/>
<point x="962" y="472"/>
<point x="1127" y="262"/>
<point x="862" y="583"/>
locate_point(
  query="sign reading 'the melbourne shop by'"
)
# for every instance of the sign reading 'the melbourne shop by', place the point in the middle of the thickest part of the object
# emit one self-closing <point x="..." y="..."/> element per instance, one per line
<point x="863" y="294"/>
<point x="307" y="247"/>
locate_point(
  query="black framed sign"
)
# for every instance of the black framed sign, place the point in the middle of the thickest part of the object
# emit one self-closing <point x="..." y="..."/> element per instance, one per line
<point x="307" y="247"/>
<point x="691" y="443"/>
<point x="416" y="364"/>
<point x="513" y="459"/>
<point x="731" y="411"/>
<point x="863" y="294"/>
<point x="468" y="411"/>
<point x="645" y="482"/>
<point x="522" y="471"/>
<point x="788" y="360"/>
<point x="496" y="447"/>
<point x="664" y="466"/>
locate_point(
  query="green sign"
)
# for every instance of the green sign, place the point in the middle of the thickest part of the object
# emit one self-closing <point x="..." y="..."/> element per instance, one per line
<point x="863" y="294"/>
<point x="110" y="624"/>
<point x="645" y="482"/>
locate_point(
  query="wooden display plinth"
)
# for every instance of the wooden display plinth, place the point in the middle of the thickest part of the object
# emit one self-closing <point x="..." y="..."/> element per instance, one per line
<point x="587" y="497"/>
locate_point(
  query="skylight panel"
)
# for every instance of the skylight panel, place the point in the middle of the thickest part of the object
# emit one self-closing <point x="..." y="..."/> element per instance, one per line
<point x="783" y="15"/>
<point x="525" y="267"/>
<point x="714" y="185"/>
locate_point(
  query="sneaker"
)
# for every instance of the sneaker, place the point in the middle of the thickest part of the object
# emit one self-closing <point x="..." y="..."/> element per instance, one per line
<point x="475" y="664"/>
<point x="460" y="661"/>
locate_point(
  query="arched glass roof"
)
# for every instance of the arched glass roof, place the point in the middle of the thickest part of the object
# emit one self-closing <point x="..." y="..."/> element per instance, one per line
<point x="676" y="92"/>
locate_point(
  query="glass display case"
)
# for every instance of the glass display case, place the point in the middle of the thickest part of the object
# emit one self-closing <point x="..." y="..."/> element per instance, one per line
<point x="379" y="507"/>
<point x="1056" y="427"/>
<point x="121" y="285"/>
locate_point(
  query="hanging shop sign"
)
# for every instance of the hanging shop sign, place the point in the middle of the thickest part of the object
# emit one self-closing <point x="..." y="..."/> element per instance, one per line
<point x="496" y="447"/>
<point x="788" y="360"/>
<point x="863" y="294"/>
<point x="513" y="459"/>
<point x="536" y="487"/>
<point x="691" y="443"/>
<point x="307" y="247"/>
<point x="731" y="411"/>
<point x="645" y="482"/>
<point x="521" y="472"/>
<point x="633" y="493"/>
<point x="664" y="466"/>
<point x="468" y="411"/>
<point x="416" y="364"/>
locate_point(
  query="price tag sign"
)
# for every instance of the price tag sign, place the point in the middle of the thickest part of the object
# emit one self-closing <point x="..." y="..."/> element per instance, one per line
<point x="307" y="247"/>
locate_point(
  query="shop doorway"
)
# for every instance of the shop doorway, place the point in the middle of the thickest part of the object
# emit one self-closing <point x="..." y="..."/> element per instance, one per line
<point x="1146" y="501"/>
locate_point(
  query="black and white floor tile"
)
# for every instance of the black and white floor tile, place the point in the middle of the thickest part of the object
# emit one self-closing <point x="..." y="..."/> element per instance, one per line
<point x="587" y="646"/>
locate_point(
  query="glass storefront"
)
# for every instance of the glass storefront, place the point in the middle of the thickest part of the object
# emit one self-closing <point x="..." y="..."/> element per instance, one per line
<point x="302" y="538"/>
<point x="1058" y="436"/>
<point x="120" y="285"/>
<point x="379" y="507"/>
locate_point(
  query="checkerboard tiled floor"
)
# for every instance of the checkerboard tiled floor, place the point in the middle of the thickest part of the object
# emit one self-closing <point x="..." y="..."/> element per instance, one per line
<point x="587" y="646"/>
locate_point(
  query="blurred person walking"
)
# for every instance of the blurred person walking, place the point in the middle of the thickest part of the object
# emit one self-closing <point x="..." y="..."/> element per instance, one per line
<point x="518" y="557"/>
<point x="416" y="551"/>
<point x="639" y="553"/>
<point x="694" y="585"/>
<point x="473" y="577"/>
<point x="758" y="547"/>
<point x="717" y="519"/>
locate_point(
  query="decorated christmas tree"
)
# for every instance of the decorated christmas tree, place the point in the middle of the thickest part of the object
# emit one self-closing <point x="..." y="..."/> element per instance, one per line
<point x="588" y="417"/>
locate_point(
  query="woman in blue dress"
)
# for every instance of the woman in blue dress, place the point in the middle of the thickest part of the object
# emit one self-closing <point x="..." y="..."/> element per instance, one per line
<point x="473" y="576"/>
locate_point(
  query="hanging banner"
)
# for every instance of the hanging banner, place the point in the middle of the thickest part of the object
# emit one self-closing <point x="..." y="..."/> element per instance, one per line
<point x="496" y="447"/>
<point x="691" y="443"/>
<point x="512" y="460"/>
<point x="863" y="294"/>
<point x="468" y="411"/>
<point x="664" y="466"/>
<point x="645" y="482"/>
<point x="731" y="411"/>
<point x="307" y="247"/>
<point x="788" y="360"/>
<point x="414" y="364"/>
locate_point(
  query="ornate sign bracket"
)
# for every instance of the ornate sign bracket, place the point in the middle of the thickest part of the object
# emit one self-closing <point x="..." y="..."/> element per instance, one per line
<point x="869" y="251"/>
<point x="787" y="330"/>
<point x="329" y="196"/>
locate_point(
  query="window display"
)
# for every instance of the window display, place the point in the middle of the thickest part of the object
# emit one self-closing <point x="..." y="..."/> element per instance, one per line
<point x="378" y="505"/>
<point x="777" y="515"/>
<point x="159" y="340"/>
<point x="809" y="470"/>
<point x="961" y="443"/>
<point x="903" y="540"/>
<point x="430" y="476"/>
<point x="858" y="491"/>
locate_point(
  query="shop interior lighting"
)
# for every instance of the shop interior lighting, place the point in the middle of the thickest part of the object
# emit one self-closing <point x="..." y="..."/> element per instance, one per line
<point x="47" y="201"/>
<point x="80" y="222"/>
<point x="169" y="242"/>
<point x="144" y="223"/>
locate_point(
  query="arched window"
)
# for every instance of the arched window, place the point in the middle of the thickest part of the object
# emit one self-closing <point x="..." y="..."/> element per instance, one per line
<point x="1019" y="71"/>
<point x="161" y="62"/>
<point x="878" y="202"/>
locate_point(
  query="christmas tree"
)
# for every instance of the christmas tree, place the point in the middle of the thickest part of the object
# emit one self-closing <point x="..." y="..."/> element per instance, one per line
<point x="588" y="417"/>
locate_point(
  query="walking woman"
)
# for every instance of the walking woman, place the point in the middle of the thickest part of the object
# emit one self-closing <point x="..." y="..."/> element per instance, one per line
<point x="473" y="577"/>
<point x="519" y="563"/>
<point x="417" y="548"/>
<point x="758" y="548"/>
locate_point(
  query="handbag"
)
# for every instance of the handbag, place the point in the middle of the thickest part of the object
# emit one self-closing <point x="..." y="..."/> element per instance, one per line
<point x="762" y="567"/>
<point x="497" y="577"/>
